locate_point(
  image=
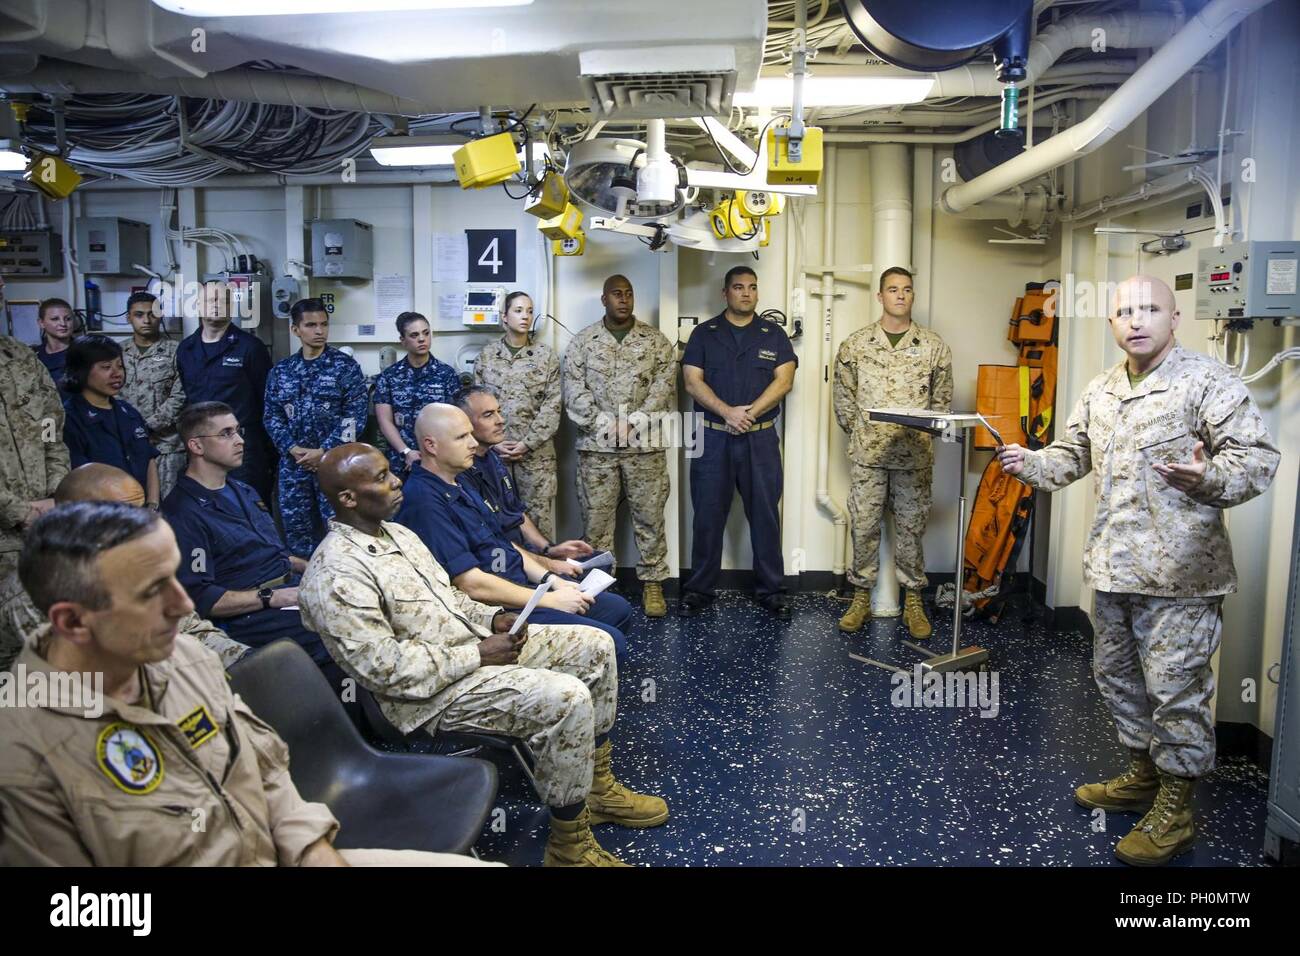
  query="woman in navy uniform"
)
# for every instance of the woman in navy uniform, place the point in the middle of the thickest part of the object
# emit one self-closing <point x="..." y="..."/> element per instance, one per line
<point x="98" y="425"/>
<point x="405" y="387"/>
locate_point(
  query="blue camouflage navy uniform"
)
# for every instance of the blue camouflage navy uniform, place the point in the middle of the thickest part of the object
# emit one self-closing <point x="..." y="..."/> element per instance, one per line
<point x="233" y="370"/>
<point x="408" y="390"/>
<point x="116" y="436"/>
<point x="229" y="542"/>
<point x="461" y="530"/>
<point x="738" y="365"/>
<point x="317" y="403"/>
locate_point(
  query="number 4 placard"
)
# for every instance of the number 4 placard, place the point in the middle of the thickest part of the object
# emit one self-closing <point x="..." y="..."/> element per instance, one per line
<point x="491" y="255"/>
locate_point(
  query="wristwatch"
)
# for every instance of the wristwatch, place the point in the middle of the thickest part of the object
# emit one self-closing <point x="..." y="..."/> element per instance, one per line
<point x="265" y="595"/>
<point x="546" y="551"/>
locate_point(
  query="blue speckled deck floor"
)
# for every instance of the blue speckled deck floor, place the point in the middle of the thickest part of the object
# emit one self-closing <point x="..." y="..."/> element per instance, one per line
<point x="753" y="721"/>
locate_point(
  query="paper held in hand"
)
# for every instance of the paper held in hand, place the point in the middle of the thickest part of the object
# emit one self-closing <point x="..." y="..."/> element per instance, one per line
<point x="601" y="559"/>
<point x="536" y="596"/>
<point x="595" y="581"/>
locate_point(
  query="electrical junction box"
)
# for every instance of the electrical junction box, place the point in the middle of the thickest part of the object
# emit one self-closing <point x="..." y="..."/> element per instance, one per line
<point x="487" y="161"/>
<point x="551" y="198"/>
<point x="31" y="252"/>
<point x="342" y="249"/>
<point x="566" y="225"/>
<point x="285" y="291"/>
<point x="570" y="245"/>
<point x="1248" y="280"/>
<point x="483" y="307"/>
<point x="112" y="246"/>
<point x="782" y="170"/>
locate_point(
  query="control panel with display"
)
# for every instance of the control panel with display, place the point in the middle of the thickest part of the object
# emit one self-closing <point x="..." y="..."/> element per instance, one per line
<point x="483" y="307"/>
<point x="1247" y="280"/>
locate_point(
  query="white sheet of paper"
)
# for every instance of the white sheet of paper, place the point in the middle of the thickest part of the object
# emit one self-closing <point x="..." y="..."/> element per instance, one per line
<point x="601" y="559"/>
<point x="450" y="257"/>
<point x="536" y="596"/>
<point x="392" y="298"/>
<point x="595" y="582"/>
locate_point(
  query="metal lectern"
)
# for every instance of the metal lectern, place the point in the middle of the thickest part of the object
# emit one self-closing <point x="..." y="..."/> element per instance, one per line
<point x="950" y="428"/>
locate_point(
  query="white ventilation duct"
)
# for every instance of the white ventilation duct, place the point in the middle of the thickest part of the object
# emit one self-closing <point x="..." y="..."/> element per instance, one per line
<point x="1167" y="65"/>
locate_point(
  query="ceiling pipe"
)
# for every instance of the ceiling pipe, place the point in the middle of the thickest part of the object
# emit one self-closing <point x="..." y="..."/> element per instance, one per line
<point x="1203" y="32"/>
<point x="271" y="87"/>
<point x="1022" y="205"/>
<point x="961" y="137"/>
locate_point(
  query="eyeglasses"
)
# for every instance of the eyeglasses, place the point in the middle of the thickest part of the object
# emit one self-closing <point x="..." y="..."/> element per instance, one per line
<point x="226" y="434"/>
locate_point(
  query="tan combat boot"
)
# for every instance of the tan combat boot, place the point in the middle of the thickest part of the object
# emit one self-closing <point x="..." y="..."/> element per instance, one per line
<point x="611" y="802"/>
<point x="918" y="625"/>
<point x="571" y="843"/>
<point x="652" y="599"/>
<point x="1167" y="830"/>
<point x="859" y="611"/>
<point x="1132" y="790"/>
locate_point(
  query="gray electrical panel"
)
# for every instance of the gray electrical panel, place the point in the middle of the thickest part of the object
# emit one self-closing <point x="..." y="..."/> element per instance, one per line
<point x="31" y="252"/>
<point x="1248" y="280"/>
<point x="112" y="246"/>
<point x="342" y="249"/>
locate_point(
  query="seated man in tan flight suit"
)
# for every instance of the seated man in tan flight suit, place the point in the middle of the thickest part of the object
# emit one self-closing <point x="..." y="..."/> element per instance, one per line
<point x="434" y="657"/>
<point x="117" y="761"/>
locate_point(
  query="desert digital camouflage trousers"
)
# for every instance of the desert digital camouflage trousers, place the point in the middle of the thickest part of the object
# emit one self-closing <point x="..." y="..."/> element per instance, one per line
<point x="534" y="478"/>
<point x="603" y="478"/>
<point x="559" y="698"/>
<point x="907" y="492"/>
<point x="1151" y="660"/>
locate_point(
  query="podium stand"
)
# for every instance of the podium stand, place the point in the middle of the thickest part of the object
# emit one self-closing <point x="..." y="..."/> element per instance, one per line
<point x="951" y="428"/>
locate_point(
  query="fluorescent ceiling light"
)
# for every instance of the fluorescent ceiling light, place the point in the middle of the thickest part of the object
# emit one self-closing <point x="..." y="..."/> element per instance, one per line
<point x="778" y="91"/>
<point x="12" y="162"/>
<point x="413" y="150"/>
<point x="262" y="8"/>
<point x="426" y="150"/>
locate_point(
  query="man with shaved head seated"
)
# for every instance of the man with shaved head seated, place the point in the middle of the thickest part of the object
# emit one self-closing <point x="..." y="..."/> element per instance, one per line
<point x="1174" y="438"/>
<point x="437" y="659"/>
<point x="99" y="482"/>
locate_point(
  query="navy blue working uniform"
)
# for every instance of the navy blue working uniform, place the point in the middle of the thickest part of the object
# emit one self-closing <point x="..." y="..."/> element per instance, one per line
<point x="229" y="542"/>
<point x="461" y="530"/>
<point x="738" y="364"/>
<point x="116" y="436"/>
<point x="316" y="403"/>
<point x="233" y="370"/>
<point x="490" y="478"/>
<point x="408" y="390"/>
<point x="55" y="362"/>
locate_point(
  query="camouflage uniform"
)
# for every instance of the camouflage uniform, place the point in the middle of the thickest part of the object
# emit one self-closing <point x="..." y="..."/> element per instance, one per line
<point x="407" y="390"/>
<point x="392" y="619"/>
<point x="1158" y="558"/>
<point x="890" y="462"/>
<point x="30" y="467"/>
<point x="527" y="383"/>
<point x="316" y="404"/>
<point x="606" y="381"/>
<point x="153" y="386"/>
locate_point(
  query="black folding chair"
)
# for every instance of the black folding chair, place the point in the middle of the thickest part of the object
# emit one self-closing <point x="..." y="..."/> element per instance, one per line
<point x="387" y="801"/>
<point x="459" y="743"/>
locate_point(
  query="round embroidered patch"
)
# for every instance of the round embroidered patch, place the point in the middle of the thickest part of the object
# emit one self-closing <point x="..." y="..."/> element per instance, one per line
<point x="129" y="758"/>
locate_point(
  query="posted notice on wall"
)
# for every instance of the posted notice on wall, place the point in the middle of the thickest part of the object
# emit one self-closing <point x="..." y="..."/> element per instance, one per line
<point x="392" y="298"/>
<point x="450" y="257"/>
